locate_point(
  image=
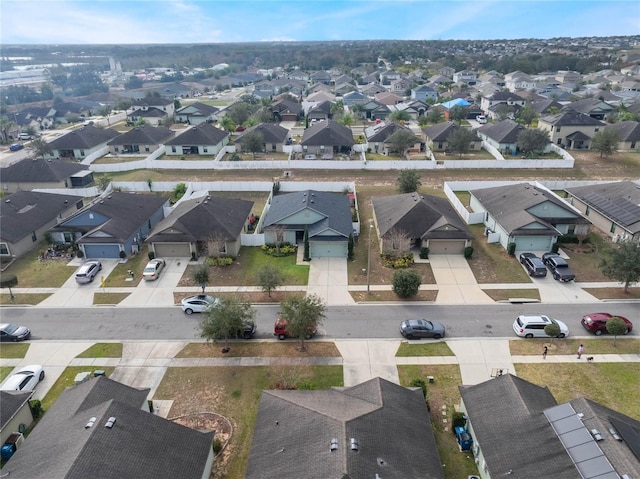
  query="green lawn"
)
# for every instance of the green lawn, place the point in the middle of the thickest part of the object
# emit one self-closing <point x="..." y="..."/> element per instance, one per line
<point x="102" y="350"/>
<point x="439" y="348"/>
<point x="33" y="273"/>
<point x="13" y="350"/>
<point x="5" y="371"/>
<point x="23" y="298"/>
<point x="109" y="298"/>
<point x="596" y="345"/>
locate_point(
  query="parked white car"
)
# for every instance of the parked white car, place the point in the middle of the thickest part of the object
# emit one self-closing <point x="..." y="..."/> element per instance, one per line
<point x="481" y="119"/>
<point x="198" y="303"/>
<point x="25" y="379"/>
<point x="532" y="326"/>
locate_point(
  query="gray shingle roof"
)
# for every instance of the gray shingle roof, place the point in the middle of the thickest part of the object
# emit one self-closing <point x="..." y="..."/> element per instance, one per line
<point x="509" y="205"/>
<point x="328" y="132"/>
<point x="40" y="171"/>
<point x="26" y="211"/>
<point x="144" y="135"/>
<point x="270" y="133"/>
<point x="571" y="118"/>
<point x="202" y="134"/>
<point x="12" y="402"/>
<point x="139" y="445"/>
<point x="151" y="112"/>
<point x="390" y="423"/>
<point x="509" y="426"/>
<point x="380" y="133"/>
<point x="334" y="207"/>
<point x="506" y="131"/>
<point x="619" y="201"/>
<point x="626" y="130"/>
<point x="419" y="216"/>
<point x="198" y="109"/>
<point x="199" y="219"/>
<point x="125" y="213"/>
<point x="440" y="131"/>
<point x="84" y="138"/>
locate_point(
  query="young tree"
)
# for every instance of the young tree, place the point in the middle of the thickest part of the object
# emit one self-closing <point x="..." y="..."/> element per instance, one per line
<point x="103" y="181"/>
<point x="605" y="142"/>
<point x="39" y="148"/>
<point x="622" y="263"/>
<point x="401" y="139"/>
<point x="9" y="281"/>
<point x="253" y="142"/>
<point x="616" y="326"/>
<point x="434" y="115"/>
<point x="303" y="314"/>
<point x="397" y="242"/>
<point x="531" y="140"/>
<point x="228" y="124"/>
<point x="552" y="330"/>
<point x="408" y="181"/>
<point x="347" y="119"/>
<point x="503" y="111"/>
<point x="201" y="276"/>
<point x="458" y="113"/>
<point x="306" y="256"/>
<point x="400" y="116"/>
<point x="459" y="140"/>
<point x="269" y="278"/>
<point x="527" y="115"/>
<point x="406" y="283"/>
<point x="225" y="320"/>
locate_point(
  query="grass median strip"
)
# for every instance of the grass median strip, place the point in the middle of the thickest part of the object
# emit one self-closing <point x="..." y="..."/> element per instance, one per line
<point x="102" y="350"/>
<point x="23" y="298"/>
<point x="602" y="345"/>
<point x="425" y="349"/>
<point x="14" y="350"/>
<point x="288" y="349"/>
<point x="109" y="298"/>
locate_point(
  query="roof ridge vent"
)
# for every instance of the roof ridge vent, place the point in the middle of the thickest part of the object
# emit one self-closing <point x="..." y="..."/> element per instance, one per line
<point x="110" y="422"/>
<point x="354" y="444"/>
<point x="91" y="422"/>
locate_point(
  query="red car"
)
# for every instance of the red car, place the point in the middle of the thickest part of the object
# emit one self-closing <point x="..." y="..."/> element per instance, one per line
<point x="280" y="330"/>
<point x="596" y="323"/>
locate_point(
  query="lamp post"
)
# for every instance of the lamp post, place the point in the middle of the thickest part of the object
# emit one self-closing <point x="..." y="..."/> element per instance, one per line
<point x="369" y="257"/>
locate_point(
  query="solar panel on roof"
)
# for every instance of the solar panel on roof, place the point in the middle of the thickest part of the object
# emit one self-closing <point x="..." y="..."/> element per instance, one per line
<point x="579" y="443"/>
<point x="623" y="211"/>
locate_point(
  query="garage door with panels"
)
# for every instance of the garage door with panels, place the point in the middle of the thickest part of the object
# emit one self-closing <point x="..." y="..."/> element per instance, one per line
<point x="172" y="250"/>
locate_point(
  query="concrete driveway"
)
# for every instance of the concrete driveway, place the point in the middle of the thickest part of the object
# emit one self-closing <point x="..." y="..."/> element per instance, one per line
<point x="328" y="279"/>
<point x="160" y="291"/>
<point x="455" y="280"/>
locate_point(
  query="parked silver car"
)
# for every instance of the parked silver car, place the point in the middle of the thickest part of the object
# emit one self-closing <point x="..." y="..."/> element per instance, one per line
<point x="88" y="271"/>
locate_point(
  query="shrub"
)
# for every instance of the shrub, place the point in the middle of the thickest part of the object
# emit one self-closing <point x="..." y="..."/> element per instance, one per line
<point x="468" y="252"/>
<point x="511" y="249"/>
<point x="555" y="247"/>
<point x="220" y="261"/>
<point x="286" y="249"/>
<point x="390" y="261"/>
<point x="406" y="283"/>
<point x="151" y="254"/>
<point x="193" y="256"/>
<point x="457" y="420"/>
<point x="123" y="255"/>
<point x="568" y="238"/>
<point x="235" y="157"/>
<point x="419" y="383"/>
<point x="36" y="408"/>
<point x="217" y="446"/>
<point x="79" y="254"/>
<point x="424" y="253"/>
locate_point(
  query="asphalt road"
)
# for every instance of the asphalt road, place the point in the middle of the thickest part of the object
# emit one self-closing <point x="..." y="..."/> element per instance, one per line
<point x="359" y="322"/>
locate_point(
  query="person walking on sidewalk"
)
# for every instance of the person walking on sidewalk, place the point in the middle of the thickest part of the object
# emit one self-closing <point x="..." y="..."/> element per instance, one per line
<point x="544" y="352"/>
<point x="580" y="351"/>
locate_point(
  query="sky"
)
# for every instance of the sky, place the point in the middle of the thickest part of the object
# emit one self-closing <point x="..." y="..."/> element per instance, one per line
<point x="216" y="21"/>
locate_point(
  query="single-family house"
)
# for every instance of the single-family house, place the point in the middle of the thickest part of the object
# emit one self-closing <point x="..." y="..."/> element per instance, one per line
<point x="488" y="104"/>
<point x="414" y="221"/>
<point x="205" y="226"/>
<point x="151" y="101"/>
<point x="286" y="110"/>
<point x="152" y="116"/>
<point x="613" y="208"/>
<point x="320" y="77"/>
<point x="595" y="108"/>
<point x="28" y="215"/>
<point x="15" y="413"/>
<point x="502" y="136"/>
<point x="437" y="136"/>
<point x="529" y="216"/>
<point x="518" y="80"/>
<point x="196" y="113"/>
<point x="546" y="106"/>
<point x="321" y="95"/>
<point x="319" y="111"/>
<point x="373" y="429"/>
<point x="628" y="135"/>
<point x="274" y="137"/>
<point x="140" y="140"/>
<point x="44" y="174"/>
<point x="327" y="138"/>
<point x="325" y="215"/>
<point x="103" y="428"/>
<point x="113" y="224"/>
<point x="415" y="108"/>
<point x="568" y="76"/>
<point x="387" y="76"/>
<point x="570" y="129"/>
<point x="574" y="440"/>
<point x="354" y="98"/>
<point x="388" y="98"/>
<point x="378" y="136"/>
<point x="424" y="93"/>
<point x="80" y="143"/>
<point x="372" y="89"/>
<point x="465" y="76"/>
<point x="400" y="86"/>
<point x="70" y="112"/>
<point x="203" y="139"/>
<point x="446" y="71"/>
<point x="374" y="110"/>
<point x="37" y="117"/>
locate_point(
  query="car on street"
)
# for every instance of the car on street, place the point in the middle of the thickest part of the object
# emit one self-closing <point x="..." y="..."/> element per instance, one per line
<point x="558" y="267"/>
<point x="24" y="136"/>
<point x="24" y="379"/>
<point x="13" y="332"/>
<point x="88" y="271"/>
<point x="152" y="270"/>
<point x="533" y="264"/>
<point x="198" y="303"/>
<point x="16" y="146"/>
<point x="596" y="323"/>
<point x="421" y="328"/>
<point x="532" y="326"/>
<point x="280" y="330"/>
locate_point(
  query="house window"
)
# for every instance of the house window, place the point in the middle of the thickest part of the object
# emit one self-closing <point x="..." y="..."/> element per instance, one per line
<point x="279" y="236"/>
<point x="559" y="141"/>
<point x="571" y="230"/>
<point x="81" y="152"/>
<point x="222" y="248"/>
<point x="205" y="149"/>
<point x="173" y="149"/>
<point x="116" y="149"/>
<point x="34" y="238"/>
<point x="613" y="228"/>
<point x="587" y="211"/>
<point x="558" y="129"/>
<point x="273" y="147"/>
<point x="146" y="147"/>
<point x="633" y="145"/>
<point x="597" y="129"/>
<point x="439" y="146"/>
<point x="68" y="237"/>
<point x="4" y="249"/>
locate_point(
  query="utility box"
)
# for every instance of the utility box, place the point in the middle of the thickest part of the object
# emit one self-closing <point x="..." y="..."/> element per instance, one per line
<point x="82" y="377"/>
<point x="13" y="442"/>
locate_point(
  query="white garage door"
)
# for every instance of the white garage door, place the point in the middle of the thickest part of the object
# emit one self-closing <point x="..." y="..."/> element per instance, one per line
<point x="446" y="246"/>
<point x="172" y="250"/>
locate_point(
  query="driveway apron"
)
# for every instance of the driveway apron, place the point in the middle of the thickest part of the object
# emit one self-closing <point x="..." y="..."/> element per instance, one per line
<point x="456" y="282"/>
<point x="364" y="360"/>
<point x="328" y="279"/>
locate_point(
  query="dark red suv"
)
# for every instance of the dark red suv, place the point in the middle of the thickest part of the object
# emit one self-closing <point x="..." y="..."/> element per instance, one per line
<point x="596" y="323"/>
<point x="280" y="330"/>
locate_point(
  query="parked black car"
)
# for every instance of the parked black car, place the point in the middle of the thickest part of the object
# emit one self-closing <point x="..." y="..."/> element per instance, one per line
<point x="421" y="328"/>
<point x="533" y="264"/>
<point x="13" y="332"/>
<point x="559" y="267"/>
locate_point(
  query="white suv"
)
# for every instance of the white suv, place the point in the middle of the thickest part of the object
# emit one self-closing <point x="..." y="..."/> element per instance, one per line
<point x="532" y="326"/>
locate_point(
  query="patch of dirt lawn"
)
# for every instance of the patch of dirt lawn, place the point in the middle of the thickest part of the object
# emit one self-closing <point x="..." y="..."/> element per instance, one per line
<point x="285" y="349"/>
